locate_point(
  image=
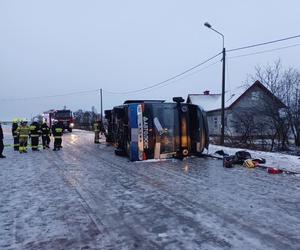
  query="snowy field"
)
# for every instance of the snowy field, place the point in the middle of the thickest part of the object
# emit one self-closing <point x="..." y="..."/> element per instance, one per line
<point x="85" y="197"/>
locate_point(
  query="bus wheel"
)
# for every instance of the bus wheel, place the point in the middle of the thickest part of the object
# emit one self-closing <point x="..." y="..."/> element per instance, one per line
<point x="185" y="152"/>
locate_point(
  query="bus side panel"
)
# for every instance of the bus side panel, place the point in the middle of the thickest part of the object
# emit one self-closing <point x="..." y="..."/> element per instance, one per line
<point x="134" y="115"/>
<point x="148" y="132"/>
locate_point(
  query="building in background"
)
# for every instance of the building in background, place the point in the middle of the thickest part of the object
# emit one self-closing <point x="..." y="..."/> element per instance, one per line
<point x="248" y="113"/>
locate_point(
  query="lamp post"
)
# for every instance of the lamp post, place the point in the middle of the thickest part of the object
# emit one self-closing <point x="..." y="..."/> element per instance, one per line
<point x="101" y="103"/>
<point x="223" y="85"/>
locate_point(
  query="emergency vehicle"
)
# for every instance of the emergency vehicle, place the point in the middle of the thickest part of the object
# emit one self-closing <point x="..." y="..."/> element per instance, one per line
<point x="64" y="116"/>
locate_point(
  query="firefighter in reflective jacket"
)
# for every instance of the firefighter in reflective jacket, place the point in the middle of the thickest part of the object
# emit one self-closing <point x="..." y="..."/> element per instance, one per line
<point x="15" y="135"/>
<point x="35" y="132"/>
<point x="46" y="133"/>
<point x="57" y="132"/>
<point x="97" y="128"/>
<point x="23" y="132"/>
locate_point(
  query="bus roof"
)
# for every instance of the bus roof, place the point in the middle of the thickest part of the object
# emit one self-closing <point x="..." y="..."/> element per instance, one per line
<point x="144" y="101"/>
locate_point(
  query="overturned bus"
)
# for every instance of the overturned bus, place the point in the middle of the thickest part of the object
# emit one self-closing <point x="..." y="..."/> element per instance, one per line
<point x="154" y="129"/>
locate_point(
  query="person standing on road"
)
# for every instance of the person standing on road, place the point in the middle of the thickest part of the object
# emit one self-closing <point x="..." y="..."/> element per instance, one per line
<point x="57" y="132"/>
<point x="23" y="132"/>
<point x="102" y="129"/>
<point x="1" y="143"/>
<point x="96" y="127"/>
<point x="35" y="134"/>
<point x="15" y="135"/>
<point x="46" y="133"/>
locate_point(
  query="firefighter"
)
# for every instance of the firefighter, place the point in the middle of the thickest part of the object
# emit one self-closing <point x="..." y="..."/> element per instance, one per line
<point x="57" y="132"/>
<point x="97" y="128"/>
<point x="46" y="133"/>
<point x="15" y="135"/>
<point x="35" y="132"/>
<point x="23" y="132"/>
<point x="1" y="143"/>
<point x="102" y="129"/>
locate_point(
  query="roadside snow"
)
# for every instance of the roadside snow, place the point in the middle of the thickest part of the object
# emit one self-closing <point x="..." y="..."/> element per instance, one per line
<point x="277" y="160"/>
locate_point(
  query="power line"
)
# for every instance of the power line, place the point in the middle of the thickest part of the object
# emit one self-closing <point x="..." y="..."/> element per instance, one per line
<point x="171" y="79"/>
<point x="127" y="92"/>
<point x="265" y="43"/>
<point x="264" y="51"/>
<point x="49" y="96"/>
<point x="165" y="81"/>
<point x="187" y="75"/>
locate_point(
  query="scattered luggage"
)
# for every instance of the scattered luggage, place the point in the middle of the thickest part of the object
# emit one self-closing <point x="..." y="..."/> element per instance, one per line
<point x="241" y="156"/>
<point x="244" y="158"/>
<point x="249" y="164"/>
<point x="228" y="161"/>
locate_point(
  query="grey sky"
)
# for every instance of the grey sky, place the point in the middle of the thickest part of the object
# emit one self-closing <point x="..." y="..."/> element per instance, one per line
<point x="57" y="47"/>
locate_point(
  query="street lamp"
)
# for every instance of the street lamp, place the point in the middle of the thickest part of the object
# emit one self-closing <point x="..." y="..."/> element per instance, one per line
<point x="223" y="85"/>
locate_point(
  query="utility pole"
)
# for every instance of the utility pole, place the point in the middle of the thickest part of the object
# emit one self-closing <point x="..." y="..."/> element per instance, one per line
<point x="101" y="108"/>
<point x="223" y="99"/>
<point x="223" y="85"/>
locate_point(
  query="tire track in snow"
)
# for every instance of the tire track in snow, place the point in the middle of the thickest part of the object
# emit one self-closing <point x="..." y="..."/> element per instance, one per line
<point x="150" y="179"/>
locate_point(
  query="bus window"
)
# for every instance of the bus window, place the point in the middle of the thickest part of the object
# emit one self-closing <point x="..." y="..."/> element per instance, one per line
<point x="166" y="124"/>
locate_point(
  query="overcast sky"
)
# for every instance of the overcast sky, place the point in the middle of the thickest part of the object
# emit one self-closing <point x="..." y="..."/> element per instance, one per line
<point x="59" y="47"/>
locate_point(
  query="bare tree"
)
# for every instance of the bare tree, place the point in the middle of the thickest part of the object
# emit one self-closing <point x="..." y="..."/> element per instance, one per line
<point x="244" y="125"/>
<point x="253" y="127"/>
<point x="285" y="84"/>
<point x="291" y="81"/>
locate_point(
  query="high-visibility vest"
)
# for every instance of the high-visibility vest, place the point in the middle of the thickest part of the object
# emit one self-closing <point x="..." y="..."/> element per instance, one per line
<point x="35" y="129"/>
<point x="96" y="127"/>
<point x="23" y="131"/>
<point x="57" y="131"/>
<point x="45" y="130"/>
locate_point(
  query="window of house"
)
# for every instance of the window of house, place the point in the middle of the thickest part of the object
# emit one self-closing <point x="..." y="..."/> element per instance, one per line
<point x="255" y="95"/>
<point x="215" y="122"/>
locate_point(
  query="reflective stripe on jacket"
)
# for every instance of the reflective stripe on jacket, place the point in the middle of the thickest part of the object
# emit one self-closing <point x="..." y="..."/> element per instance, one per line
<point x="96" y="127"/>
<point x="35" y="129"/>
<point x="45" y="130"/>
<point x="57" y="131"/>
<point x="23" y="131"/>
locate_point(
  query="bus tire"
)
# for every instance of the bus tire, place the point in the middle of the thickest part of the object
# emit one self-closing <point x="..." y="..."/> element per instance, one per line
<point x="185" y="152"/>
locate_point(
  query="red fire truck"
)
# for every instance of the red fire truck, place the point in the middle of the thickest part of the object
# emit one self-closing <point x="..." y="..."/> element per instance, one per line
<point x="64" y="116"/>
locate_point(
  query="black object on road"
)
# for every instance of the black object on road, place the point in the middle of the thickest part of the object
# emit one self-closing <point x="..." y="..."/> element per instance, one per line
<point x="1" y="142"/>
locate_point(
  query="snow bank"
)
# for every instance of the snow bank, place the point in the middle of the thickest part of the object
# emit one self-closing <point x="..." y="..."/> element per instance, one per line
<point x="278" y="160"/>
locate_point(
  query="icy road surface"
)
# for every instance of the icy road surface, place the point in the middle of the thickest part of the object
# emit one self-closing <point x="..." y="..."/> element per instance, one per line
<point x="85" y="197"/>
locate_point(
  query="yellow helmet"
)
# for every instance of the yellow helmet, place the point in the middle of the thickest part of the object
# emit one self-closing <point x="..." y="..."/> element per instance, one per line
<point x="249" y="163"/>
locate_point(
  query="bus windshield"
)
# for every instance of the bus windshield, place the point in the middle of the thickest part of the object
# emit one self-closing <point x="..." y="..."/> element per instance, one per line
<point x="63" y="114"/>
<point x="166" y="124"/>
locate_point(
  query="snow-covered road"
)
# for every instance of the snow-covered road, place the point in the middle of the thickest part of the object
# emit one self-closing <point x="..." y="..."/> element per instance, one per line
<point x="85" y="197"/>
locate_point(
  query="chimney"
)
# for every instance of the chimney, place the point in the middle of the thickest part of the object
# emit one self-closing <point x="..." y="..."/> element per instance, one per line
<point x="206" y="92"/>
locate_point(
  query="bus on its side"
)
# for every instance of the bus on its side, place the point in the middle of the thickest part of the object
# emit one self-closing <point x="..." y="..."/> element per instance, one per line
<point x="153" y="129"/>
